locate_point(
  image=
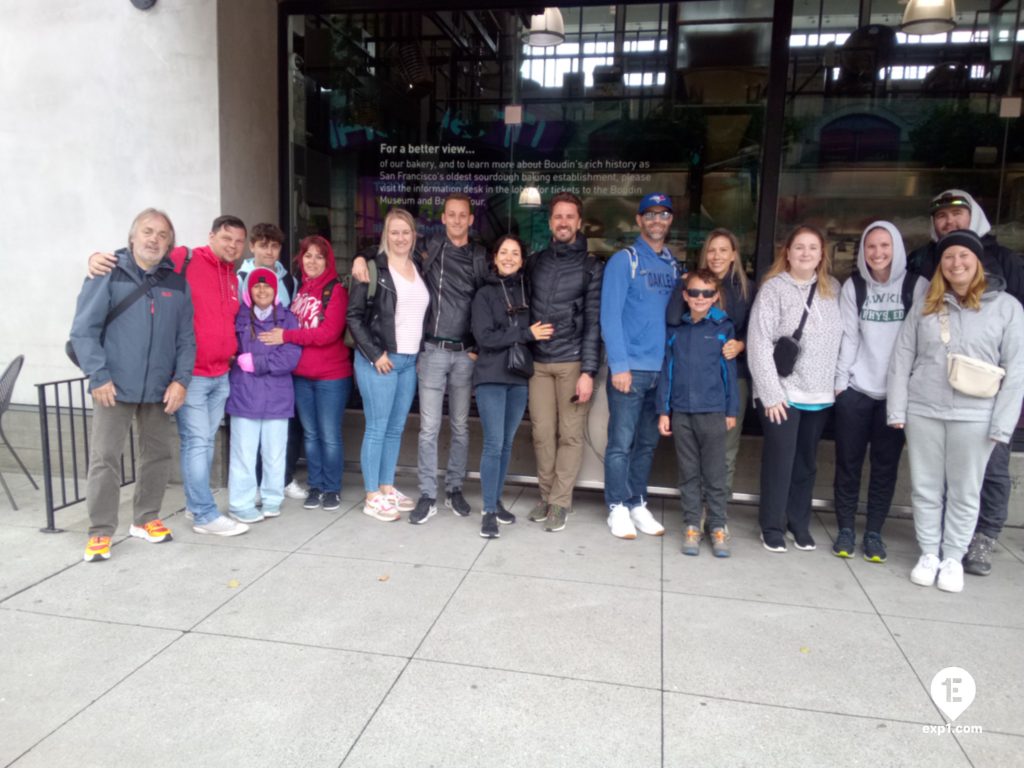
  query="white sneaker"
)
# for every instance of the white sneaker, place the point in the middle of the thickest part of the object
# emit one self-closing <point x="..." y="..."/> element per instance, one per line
<point x="926" y="569"/>
<point x="951" y="575"/>
<point x="380" y="508"/>
<point x="221" y="526"/>
<point x="295" y="491"/>
<point x="619" y="522"/>
<point x="644" y="520"/>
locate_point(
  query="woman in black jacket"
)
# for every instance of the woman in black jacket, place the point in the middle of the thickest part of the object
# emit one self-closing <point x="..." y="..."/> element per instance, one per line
<point x="501" y="314"/>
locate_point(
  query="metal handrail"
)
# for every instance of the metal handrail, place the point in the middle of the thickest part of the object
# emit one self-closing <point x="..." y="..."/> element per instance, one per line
<point x="62" y="406"/>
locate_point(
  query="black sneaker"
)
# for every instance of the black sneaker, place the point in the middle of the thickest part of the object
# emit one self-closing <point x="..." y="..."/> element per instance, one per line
<point x="457" y="503"/>
<point x="803" y="541"/>
<point x="978" y="561"/>
<point x="313" y="499"/>
<point x="846" y="542"/>
<point x="426" y="508"/>
<point x="489" y="526"/>
<point x="504" y="516"/>
<point x="874" y="549"/>
<point x="331" y="501"/>
<point x="773" y="541"/>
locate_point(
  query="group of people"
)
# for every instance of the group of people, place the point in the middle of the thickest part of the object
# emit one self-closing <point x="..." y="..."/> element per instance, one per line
<point x="686" y="351"/>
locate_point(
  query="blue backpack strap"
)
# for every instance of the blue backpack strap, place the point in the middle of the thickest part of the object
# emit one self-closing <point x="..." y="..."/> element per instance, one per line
<point x="634" y="261"/>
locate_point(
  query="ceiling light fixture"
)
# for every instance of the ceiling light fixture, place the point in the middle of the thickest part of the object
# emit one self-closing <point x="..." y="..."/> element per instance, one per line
<point x="546" y="29"/>
<point x="928" y="17"/>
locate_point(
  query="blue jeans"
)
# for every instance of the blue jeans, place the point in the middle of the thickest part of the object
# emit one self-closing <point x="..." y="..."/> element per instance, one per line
<point x="386" y="401"/>
<point x="269" y="438"/>
<point x="198" y="421"/>
<point x="440" y="370"/>
<point x="501" y="408"/>
<point x="321" y="404"/>
<point x="632" y="438"/>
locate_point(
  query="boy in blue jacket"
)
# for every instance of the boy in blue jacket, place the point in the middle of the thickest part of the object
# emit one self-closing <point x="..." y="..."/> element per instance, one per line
<point x="697" y="403"/>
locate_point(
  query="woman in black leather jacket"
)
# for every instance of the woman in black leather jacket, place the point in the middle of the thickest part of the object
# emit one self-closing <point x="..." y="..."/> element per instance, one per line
<point x="500" y="319"/>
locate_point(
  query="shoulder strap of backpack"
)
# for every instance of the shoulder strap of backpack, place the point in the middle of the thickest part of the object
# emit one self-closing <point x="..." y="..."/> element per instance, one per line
<point x="187" y="261"/>
<point x="907" y="290"/>
<point x="860" y="291"/>
<point x="371" y="288"/>
<point x="325" y="298"/>
<point x="634" y="261"/>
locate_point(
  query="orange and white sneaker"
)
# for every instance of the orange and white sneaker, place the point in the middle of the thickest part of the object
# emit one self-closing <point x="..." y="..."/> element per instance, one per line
<point x="154" y="532"/>
<point x="97" y="550"/>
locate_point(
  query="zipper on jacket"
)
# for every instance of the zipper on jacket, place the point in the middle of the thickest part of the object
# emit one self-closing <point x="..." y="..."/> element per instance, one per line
<point x="149" y="348"/>
<point x="440" y="285"/>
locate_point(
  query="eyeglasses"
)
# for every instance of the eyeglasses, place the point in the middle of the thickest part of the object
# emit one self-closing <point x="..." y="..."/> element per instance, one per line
<point x="704" y="293"/>
<point x="655" y="215"/>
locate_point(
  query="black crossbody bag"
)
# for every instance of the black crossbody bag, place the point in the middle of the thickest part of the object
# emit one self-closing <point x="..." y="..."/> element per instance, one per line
<point x="787" y="348"/>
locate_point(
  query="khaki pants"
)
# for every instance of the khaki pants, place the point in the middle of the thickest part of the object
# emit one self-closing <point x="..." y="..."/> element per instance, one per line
<point x="155" y="441"/>
<point x="557" y="425"/>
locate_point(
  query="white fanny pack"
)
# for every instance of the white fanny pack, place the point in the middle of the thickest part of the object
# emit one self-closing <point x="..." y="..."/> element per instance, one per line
<point x="966" y="374"/>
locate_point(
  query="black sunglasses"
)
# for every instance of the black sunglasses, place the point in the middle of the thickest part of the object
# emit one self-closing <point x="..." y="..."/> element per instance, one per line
<point x="707" y="293"/>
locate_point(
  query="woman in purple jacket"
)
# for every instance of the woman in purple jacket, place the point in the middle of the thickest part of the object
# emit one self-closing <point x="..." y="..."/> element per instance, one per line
<point x="262" y="400"/>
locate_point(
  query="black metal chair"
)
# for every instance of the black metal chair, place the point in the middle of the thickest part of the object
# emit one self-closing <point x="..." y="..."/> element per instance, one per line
<point x="6" y="390"/>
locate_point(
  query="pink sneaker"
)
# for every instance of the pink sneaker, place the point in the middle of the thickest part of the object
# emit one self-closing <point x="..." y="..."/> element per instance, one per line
<point x="380" y="508"/>
<point x="401" y="502"/>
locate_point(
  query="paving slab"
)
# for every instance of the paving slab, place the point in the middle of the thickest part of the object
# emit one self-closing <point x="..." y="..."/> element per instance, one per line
<point x="227" y="702"/>
<point x="445" y="540"/>
<point x="587" y="631"/>
<point x="584" y="551"/>
<point x="464" y="716"/>
<point x="794" y="577"/>
<point x="994" y="656"/>
<point x="991" y="749"/>
<point x="711" y="732"/>
<point x="985" y="600"/>
<point x="51" y="668"/>
<point x="31" y="557"/>
<point x="340" y="603"/>
<point x="790" y="656"/>
<point x="172" y="585"/>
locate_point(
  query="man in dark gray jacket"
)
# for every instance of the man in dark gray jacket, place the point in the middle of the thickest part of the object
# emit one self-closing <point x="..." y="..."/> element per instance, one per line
<point x="565" y="282"/>
<point x="139" y="365"/>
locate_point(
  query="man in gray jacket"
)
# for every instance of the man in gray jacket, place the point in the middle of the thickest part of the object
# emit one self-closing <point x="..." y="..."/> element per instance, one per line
<point x="133" y="337"/>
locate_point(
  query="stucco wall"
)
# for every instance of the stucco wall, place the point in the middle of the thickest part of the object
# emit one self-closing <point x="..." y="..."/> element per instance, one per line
<point x="108" y="110"/>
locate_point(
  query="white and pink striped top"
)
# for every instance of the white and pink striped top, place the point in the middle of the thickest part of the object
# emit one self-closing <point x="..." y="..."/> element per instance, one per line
<point x="410" y="310"/>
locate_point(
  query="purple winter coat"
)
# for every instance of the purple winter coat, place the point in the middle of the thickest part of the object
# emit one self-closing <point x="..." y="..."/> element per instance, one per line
<point x="267" y="393"/>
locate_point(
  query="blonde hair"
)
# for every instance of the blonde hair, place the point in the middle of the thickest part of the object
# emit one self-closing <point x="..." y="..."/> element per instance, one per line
<point x="736" y="268"/>
<point x="824" y="269"/>
<point x="939" y="287"/>
<point x="396" y="213"/>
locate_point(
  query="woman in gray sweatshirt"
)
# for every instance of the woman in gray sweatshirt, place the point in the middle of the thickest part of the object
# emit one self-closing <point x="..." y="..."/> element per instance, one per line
<point x="794" y="408"/>
<point x="873" y="304"/>
<point x="951" y="434"/>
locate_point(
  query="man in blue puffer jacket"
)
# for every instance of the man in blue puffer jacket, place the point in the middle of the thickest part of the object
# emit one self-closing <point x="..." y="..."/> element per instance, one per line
<point x="140" y="365"/>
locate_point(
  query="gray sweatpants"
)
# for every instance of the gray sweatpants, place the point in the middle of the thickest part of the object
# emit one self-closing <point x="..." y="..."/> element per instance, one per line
<point x="700" y="456"/>
<point x="950" y="457"/>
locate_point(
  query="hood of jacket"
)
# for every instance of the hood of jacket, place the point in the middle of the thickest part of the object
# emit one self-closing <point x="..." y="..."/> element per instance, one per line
<point x="979" y="221"/>
<point x="714" y="315"/>
<point x="899" y="255"/>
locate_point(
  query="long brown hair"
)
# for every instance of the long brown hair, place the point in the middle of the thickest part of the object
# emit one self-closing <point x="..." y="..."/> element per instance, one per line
<point x="939" y="286"/>
<point x="824" y="269"/>
<point x="735" y="269"/>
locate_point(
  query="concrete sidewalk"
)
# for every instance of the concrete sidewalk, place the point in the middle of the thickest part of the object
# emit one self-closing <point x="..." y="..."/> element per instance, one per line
<point x="331" y="639"/>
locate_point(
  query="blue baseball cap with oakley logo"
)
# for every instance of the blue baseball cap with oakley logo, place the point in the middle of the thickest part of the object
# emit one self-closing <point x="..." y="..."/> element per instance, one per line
<point x="655" y="200"/>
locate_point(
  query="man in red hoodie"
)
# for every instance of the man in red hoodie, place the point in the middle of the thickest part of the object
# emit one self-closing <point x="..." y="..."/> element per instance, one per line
<point x="210" y="272"/>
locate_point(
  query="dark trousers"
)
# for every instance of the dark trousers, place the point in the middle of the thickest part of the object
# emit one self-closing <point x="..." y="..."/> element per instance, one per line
<point x="995" y="492"/>
<point x="860" y="422"/>
<point x="700" y="455"/>
<point x="789" y="465"/>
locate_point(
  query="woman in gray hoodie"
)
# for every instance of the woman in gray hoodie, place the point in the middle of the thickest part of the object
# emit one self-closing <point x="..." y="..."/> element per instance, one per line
<point x="872" y="304"/>
<point x="951" y="434"/>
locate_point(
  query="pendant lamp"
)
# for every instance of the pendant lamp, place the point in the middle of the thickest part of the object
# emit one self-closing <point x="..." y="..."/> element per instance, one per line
<point x="928" y="17"/>
<point x="546" y="29"/>
<point x="529" y="197"/>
